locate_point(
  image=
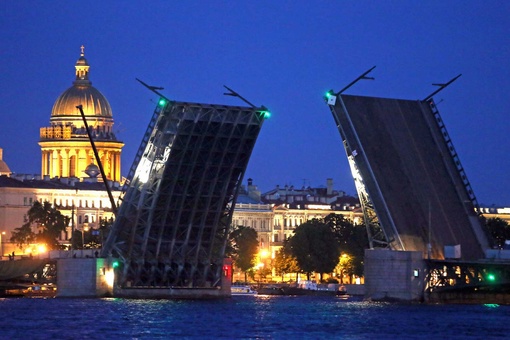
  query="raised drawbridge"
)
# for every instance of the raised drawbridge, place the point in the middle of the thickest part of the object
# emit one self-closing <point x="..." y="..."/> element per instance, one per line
<point x="412" y="186"/>
<point x="171" y="228"/>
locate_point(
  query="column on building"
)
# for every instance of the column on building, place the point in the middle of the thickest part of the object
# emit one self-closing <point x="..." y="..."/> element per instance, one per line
<point x="55" y="164"/>
<point x="64" y="157"/>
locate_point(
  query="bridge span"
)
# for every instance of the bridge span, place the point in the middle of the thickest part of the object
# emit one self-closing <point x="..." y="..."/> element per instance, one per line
<point x="409" y="177"/>
<point x="171" y="229"/>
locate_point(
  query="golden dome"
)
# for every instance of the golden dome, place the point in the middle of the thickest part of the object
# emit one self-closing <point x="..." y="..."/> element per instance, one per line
<point x="82" y="93"/>
<point x="93" y="102"/>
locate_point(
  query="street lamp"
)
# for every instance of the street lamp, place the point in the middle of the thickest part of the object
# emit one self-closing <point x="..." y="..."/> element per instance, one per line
<point x="83" y="230"/>
<point x="263" y="255"/>
<point x="41" y="249"/>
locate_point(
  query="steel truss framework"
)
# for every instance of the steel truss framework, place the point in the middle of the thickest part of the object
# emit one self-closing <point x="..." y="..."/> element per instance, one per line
<point x="172" y="226"/>
<point x="447" y="276"/>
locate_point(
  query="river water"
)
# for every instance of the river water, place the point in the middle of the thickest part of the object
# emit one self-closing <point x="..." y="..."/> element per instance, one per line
<point x="247" y="317"/>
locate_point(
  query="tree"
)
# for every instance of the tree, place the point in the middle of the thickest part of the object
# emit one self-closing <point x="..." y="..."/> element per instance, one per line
<point x="49" y="225"/>
<point x="315" y="247"/>
<point x="284" y="262"/>
<point x="499" y="230"/>
<point x="353" y="240"/>
<point x="345" y="267"/>
<point x="91" y="238"/>
<point x="342" y="227"/>
<point x="243" y="248"/>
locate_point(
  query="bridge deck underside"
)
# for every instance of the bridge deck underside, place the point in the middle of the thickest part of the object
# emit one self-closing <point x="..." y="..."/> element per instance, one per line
<point x="415" y="173"/>
<point x="172" y="226"/>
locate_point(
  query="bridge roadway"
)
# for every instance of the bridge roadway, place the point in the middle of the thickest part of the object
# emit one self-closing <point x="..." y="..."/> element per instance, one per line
<point x="413" y="169"/>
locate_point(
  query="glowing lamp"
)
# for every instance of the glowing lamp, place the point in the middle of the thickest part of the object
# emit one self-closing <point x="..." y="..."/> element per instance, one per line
<point x="162" y="102"/>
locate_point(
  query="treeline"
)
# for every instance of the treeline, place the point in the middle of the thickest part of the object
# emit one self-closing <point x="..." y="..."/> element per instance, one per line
<point x="331" y="244"/>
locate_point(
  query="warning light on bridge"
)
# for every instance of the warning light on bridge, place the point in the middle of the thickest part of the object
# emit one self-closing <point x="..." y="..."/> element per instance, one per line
<point x="115" y="264"/>
<point x="330" y="97"/>
<point x="266" y="114"/>
<point x="162" y="102"/>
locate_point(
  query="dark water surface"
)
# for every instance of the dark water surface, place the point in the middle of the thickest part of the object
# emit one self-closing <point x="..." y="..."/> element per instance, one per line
<point x="247" y="317"/>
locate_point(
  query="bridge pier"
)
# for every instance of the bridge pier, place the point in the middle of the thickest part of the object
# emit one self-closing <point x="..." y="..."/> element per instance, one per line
<point x="394" y="275"/>
<point x="84" y="277"/>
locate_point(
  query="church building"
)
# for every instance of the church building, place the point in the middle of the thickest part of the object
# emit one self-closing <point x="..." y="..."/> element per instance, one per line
<point x="65" y="145"/>
<point x="70" y="178"/>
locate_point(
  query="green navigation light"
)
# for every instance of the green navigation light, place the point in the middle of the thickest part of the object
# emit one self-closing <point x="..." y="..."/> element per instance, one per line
<point x="491" y="277"/>
<point x="115" y="264"/>
<point x="266" y="114"/>
<point x="328" y="96"/>
<point x="162" y="102"/>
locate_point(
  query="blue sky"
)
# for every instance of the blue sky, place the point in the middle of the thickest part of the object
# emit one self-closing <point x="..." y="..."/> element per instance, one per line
<point x="281" y="54"/>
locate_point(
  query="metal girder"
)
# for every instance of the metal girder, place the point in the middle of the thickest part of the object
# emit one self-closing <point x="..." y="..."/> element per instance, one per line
<point x="445" y="276"/>
<point x="172" y="227"/>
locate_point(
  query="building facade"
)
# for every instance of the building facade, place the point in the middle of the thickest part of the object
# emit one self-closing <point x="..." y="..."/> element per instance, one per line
<point x="276" y="213"/>
<point x="85" y="202"/>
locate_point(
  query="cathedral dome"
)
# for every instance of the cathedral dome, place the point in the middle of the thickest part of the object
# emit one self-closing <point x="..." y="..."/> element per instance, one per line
<point x="82" y="93"/>
<point x="66" y="147"/>
<point x="92" y="101"/>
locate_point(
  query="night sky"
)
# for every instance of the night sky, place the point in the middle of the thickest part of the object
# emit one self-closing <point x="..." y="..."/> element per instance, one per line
<point x="280" y="54"/>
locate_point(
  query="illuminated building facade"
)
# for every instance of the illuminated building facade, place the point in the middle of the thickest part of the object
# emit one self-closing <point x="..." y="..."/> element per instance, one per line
<point x="65" y="146"/>
<point x="85" y="202"/>
<point x="294" y="206"/>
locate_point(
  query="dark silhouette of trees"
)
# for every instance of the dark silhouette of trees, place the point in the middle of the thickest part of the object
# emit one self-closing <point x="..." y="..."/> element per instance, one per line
<point x="499" y="230"/>
<point x="315" y="247"/>
<point x="243" y="248"/>
<point x="352" y="239"/>
<point x="49" y="224"/>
